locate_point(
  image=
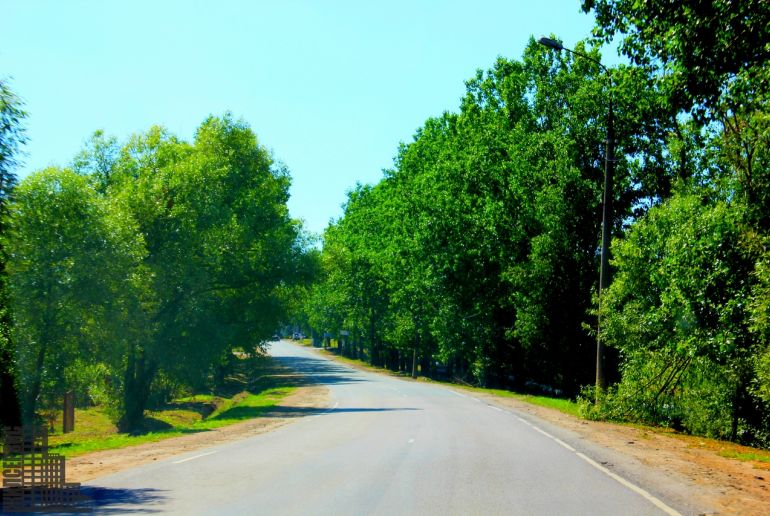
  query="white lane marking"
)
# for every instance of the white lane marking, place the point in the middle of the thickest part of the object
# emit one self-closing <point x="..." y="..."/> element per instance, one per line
<point x="524" y="421"/>
<point x="570" y="448"/>
<point x="495" y="408"/>
<point x="543" y="432"/>
<point x="656" y="502"/>
<point x="475" y="399"/>
<point x="193" y="458"/>
<point x="457" y="393"/>
<point x="410" y="441"/>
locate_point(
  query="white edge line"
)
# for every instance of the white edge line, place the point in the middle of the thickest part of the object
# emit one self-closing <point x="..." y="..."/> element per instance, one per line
<point x="495" y="408"/>
<point x="656" y="502"/>
<point x="570" y="448"/>
<point x="457" y="393"/>
<point x="543" y="432"/>
<point x="193" y="458"/>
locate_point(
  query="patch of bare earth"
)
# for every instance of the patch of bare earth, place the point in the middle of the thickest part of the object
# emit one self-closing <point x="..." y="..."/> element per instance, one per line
<point x="96" y="464"/>
<point x="690" y="468"/>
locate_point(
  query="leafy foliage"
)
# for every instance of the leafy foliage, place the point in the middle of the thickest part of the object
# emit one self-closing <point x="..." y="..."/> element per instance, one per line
<point x="11" y="138"/>
<point x="704" y="48"/>
<point x="152" y="263"/>
<point x="476" y="254"/>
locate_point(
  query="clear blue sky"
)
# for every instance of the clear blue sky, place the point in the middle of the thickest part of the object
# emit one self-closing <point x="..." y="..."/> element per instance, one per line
<point x="331" y="87"/>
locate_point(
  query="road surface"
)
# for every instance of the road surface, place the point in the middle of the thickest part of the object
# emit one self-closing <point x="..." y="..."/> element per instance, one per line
<point x="384" y="446"/>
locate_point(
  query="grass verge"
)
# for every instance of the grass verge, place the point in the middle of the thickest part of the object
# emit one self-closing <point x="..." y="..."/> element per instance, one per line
<point x="562" y="405"/>
<point x="248" y="394"/>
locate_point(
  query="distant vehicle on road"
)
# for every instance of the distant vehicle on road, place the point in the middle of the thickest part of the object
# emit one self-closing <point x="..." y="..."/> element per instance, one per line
<point x="275" y="337"/>
<point x="296" y="336"/>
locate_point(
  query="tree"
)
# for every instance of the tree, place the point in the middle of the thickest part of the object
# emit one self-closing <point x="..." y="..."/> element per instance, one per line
<point x="11" y="139"/>
<point x="72" y="263"/>
<point x="678" y="311"/>
<point x="222" y="251"/>
<point x="477" y="250"/>
<point x="704" y="49"/>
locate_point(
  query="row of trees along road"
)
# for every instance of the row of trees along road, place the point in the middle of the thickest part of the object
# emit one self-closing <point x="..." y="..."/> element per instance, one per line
<point x="143" y="266"/>
<point x="476" y="256"/>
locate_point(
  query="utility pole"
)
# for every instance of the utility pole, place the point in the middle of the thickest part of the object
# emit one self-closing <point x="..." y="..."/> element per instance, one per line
<point x="609" y="171"/>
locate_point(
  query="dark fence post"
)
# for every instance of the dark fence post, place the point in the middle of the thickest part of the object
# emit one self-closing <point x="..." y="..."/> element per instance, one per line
<point x="68" y="422"/>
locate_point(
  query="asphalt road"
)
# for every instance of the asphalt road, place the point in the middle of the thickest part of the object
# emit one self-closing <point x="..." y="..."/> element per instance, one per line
<point x="384" y="446"/>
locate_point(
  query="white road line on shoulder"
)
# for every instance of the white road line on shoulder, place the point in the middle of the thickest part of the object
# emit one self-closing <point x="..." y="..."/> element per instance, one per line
<point x="570" y="448"/>
<point x="495" y="408"/>
<point x="543" y="432"/>
<point x="475" y="399"/>
<point x="656" y="502"/>
<point x="457" y="393"/>
<point x="638" y="490"/>
<point x="193" y="458"/>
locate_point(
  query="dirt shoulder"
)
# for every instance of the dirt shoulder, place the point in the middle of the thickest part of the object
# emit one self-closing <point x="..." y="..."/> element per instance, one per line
<point x="684" y="468"/>
<point x="96" y="464"/>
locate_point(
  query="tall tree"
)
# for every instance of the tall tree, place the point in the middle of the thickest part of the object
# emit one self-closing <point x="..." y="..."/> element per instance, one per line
<point x="11" y="139"/>
<point x="705" y="48"/>
<point x="222" y="249"/>
<point x="72" y="262"/>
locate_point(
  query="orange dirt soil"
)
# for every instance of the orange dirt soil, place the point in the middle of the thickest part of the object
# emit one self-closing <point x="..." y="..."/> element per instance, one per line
<point x="687" y="468"/>
<point x="91" y="465"/>
<point x="690" y="467"/>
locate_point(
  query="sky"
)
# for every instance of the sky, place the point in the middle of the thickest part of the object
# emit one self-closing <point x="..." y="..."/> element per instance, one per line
<point x="330" y="87"/>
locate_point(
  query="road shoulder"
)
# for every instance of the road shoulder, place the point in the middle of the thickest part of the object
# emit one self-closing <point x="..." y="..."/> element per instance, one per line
<point x="92" y="465"/>
<point x="686" y="469"/>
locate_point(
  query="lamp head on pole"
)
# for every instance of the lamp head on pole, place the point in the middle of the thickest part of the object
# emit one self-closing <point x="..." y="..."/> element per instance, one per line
<point x="551" y="43"/>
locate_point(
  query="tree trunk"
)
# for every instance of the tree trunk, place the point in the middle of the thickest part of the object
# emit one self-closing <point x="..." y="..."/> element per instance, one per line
<point x="34" y="389"/>
<point x="10" y="414"/>
<point x="139" y="376"/>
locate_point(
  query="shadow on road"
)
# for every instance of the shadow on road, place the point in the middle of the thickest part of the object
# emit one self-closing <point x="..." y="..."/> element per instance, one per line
<point x="310" y="411"/>
<point x="107" y="500"/>
<point x="316" y="371"/>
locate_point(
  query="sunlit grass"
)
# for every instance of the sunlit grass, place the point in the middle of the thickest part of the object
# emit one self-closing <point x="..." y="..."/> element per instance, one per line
<point x="95" y="430"/>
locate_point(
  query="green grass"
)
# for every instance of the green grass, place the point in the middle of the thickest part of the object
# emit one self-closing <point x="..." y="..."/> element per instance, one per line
<point x="758" y="456"/>
<point x="250" y="393"/>
<point x="562" y="405"/>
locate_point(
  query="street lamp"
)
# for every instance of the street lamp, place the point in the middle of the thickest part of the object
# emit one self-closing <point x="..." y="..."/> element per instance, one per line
<point x="609" y="165"/>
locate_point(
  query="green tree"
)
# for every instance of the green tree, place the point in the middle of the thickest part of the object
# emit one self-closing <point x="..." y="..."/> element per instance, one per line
<point x="677" y="310"/>
<point x="71" y="260"/>
<point x="222" y="251"/>
<point x="11" y="139"/>
<point x="477" y="250"/>
<point x="705" y="49"/>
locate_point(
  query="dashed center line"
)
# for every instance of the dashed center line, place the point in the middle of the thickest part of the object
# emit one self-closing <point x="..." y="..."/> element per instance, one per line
<point x="193" y="458"/>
